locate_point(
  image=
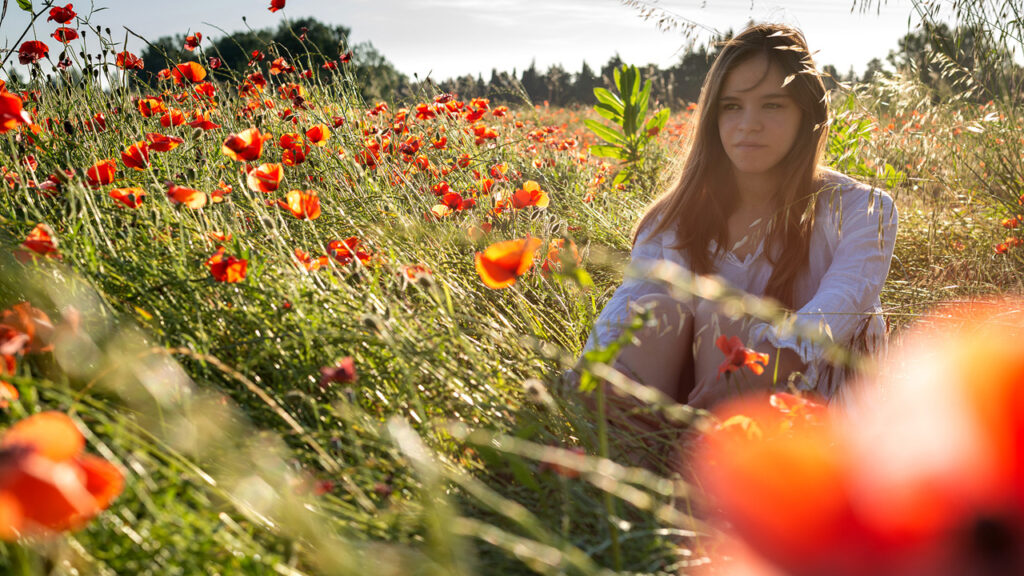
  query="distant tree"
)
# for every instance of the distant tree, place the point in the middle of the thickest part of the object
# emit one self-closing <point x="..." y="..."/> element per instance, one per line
<point x="533" y="84"/>
<point x="873" y="69"/>
<point x="583" y="86"/>
<point x="559" y="85"/>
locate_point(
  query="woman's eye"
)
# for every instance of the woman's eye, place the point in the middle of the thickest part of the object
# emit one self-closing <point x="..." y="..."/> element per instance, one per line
<point x="730" y="106"/>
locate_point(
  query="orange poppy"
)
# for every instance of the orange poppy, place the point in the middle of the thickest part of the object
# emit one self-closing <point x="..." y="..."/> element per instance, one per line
<point x="738" y="356"/>
<point x="218" y="236"/>
<point x="265" y="178"/>
<point x="225" y="268"/>
<point x="201" y="119"/>
<point x="48" y="482"/>
<point x="302" y="204"/>
<point x="8" y="393"/>
<point x="23" y="318"/>
<point x="344" y="251"/>
<point x="318" y="135"/>
<point x="136" y="156"/>
<point x="190" y="71"/>
<point x="245" y="146"/>
<point x="101" y="173"/>
<point x="172" y="117"/>
<point x="41" y="241"/>
<point x="130" y="197"/>
<point x="127" y="61"/>
<point x="149" y="106"/>
<point x="310" y="263"/>
<point x="162" y="143"/>
<point x="222" y="190"/>
<point x="530" y="195"/>
<point x="500" y="264"/>
<point x="556" y="255"/>
<point x="290" y="140"/>
<point x="11" y="112"/>
<point x="295" y="156"/>
<point x="188" y="196"/>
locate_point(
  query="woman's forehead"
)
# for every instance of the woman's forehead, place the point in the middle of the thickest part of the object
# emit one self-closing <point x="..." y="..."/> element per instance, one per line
<point x="756" y="73"/>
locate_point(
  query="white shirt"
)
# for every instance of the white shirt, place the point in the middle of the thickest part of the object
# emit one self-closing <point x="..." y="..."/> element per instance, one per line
<point x="850" y="251"/>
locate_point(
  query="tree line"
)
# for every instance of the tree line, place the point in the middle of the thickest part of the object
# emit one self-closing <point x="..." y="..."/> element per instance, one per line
<point x="941" y="58"/>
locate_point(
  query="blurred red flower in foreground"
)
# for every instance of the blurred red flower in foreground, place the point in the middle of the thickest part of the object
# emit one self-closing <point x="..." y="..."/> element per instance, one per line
<point x="225" y="268"/>
<point x="500" y="264"/>
<point x="265" y="178"/>
<point x="276" y="5"/>
<point x="344" y="371"/>
<point x="927" y="480"/>
<point x="41" y="241"/>
<point x="188" y="196"/>
<point x="130" y="197"/>
<point x="61" y="15"/>
<point x="47" y="482"/>
<point x="32" y="50"/>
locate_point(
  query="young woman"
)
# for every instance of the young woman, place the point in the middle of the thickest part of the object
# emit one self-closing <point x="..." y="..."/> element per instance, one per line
<point x="755" y="207"/>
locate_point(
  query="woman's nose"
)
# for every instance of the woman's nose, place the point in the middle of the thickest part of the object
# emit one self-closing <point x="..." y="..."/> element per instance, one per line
<point x="751" y="120"/>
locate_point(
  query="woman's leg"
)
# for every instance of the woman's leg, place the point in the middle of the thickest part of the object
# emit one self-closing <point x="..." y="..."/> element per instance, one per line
<point x="712" y="387"/>
<point x="663" y="359"/>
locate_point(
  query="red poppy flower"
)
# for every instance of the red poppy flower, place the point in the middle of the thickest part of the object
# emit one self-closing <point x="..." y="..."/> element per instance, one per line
<point x="11" y="112"/>
<point x="48" y="483"/>
<point x="280" y="66"/>
<point x="295" y="156"/>
<point x="162" y="143"/>
<point x="64" y="34"/>
<point x="222" y="190"/>
<point x="290" y="140"/>
<point x="61" y="15"/>
<point x="31" y="51"/>
<point x="276" y="5"/>
<point x="192" y="41"/>
<point x="98" y="123"/>
<point x="190" y="71"/>
<point x="40" y="240"/>
<point x="26" y="319"/>
<point x="101" y="173"/>
<point x="245" y="146"/>
<point x="130" y="197"/>
<point x="149" y="106"/>
<point x="500" y="111"/>
<point x="310" y="263"/>
<point x="344" y="372"/>
<point x="483" y="133"/>
<point x="344" y="251"/>
<point x="172" y="117"/>
<point x="738" y="356"/>
<point x="201" y="119"/>
<point x="188" y="196"/>
<point x="318" y="135"/>
<point x="303" y="204"/>
<point x="346" y="57"/>
<point x="225" y="268"/>
<point x="530" y="195"/>
<point x="128" y="61"/>
<point x="136" y="156"/>
<point x="500" y="264"/>
<point x="215" y="62"/>
<point x="265" y="178"/>
<point x="556" y="256"/>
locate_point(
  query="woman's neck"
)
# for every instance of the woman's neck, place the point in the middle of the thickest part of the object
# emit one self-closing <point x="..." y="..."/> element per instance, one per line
<point x="756" y="192"/>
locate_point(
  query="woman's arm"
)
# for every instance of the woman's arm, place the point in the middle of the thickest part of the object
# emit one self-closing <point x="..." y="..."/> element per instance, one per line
<point x="867" y="226"/>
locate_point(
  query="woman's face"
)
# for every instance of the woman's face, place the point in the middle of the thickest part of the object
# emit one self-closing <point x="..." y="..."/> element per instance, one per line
<point x="757" y="118"/>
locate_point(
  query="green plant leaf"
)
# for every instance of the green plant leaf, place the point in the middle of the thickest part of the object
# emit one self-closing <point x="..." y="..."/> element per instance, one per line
<point x="607" y="98"/>
<point x="658" y="120"/>
<point x="608" y="112"/>
<point x="641" y="103"/>
<point x="25" y="5"/>
<point x="623" y="176"/>
<point x="604" y="132"/>
<point x="608" y="152"/>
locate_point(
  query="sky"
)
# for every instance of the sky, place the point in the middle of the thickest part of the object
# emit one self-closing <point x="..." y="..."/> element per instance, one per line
<point x="448" y="38"/>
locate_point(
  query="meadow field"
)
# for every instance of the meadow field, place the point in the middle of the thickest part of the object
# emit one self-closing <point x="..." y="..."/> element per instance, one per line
<point x="295" y="338"/>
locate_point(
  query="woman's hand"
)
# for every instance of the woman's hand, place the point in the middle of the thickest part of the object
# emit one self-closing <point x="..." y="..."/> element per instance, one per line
<point x="712" y="391"/>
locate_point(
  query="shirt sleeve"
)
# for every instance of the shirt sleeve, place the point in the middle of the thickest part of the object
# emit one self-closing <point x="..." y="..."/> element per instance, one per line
<point x="616" y="312"/>
<point x="866" y="222"/>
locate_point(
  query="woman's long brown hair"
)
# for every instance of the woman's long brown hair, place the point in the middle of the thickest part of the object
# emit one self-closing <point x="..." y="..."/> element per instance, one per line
<point x="700" y="203"/>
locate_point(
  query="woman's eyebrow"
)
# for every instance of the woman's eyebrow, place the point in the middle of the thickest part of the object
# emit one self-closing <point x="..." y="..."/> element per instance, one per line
<point x="771" y="96"/>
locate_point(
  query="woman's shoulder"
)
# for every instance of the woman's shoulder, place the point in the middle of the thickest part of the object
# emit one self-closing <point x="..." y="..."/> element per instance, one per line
<point x="841" y="190"/>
